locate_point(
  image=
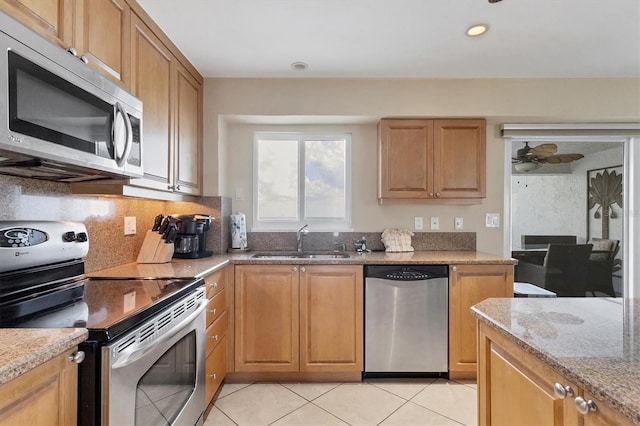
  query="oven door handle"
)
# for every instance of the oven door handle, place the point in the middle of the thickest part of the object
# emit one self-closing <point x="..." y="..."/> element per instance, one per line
<point x="136" y="355"/>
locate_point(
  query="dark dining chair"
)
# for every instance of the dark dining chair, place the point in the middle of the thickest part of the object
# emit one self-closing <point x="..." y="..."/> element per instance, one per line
<point x="601" y="263"/>
<point x="564" y="271"/>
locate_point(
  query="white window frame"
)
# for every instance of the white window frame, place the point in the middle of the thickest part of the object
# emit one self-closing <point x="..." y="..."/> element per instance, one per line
<point x="343" y="225"/>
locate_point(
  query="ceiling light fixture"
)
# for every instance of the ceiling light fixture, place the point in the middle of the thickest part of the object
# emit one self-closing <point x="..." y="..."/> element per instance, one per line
<point x="527" y="166"/>
<point x="477" y="30"/>
<point x="299" y="66"/>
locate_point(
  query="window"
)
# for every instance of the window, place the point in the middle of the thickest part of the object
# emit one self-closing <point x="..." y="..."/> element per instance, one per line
<point x="302" y="178"/>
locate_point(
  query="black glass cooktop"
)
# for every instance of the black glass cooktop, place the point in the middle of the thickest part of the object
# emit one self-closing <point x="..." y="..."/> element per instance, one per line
<point x="109" y="307"/>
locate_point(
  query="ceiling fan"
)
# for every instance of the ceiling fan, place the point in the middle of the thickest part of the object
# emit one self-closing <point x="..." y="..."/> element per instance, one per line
<point x="528" y="159"/>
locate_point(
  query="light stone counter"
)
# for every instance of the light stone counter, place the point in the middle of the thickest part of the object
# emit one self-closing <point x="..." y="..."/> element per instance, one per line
<point x="593" y="342"/>
<point x="22" y="349"/>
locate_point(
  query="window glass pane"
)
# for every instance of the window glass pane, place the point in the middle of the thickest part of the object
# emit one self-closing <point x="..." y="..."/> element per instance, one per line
<point x="324" y="179"/>
<point x="277" y="180"/>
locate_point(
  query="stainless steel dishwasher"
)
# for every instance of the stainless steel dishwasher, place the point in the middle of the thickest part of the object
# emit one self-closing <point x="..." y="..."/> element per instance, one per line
<point x="406" y="328"/>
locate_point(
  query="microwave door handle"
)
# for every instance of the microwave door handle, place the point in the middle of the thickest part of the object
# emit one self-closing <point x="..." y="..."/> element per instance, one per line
<point x="121" y="158"/>
<point x="136" y="355"/>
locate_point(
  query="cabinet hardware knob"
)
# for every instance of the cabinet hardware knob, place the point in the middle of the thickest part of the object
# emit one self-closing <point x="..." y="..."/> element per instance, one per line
<point x="76" y="357"/>
<point x="170" y="187"/>
<point x="303" y="269"/>
<point x="585" y="406"/>
<point x="562" y="391"/>
<point x="431" y="194"/>
<point x="177" y="187"/>
<point x="215" y="337"/>
<point x="213" y="285"/>
<point x="295" y="269"/>
<point x="84" y="59"/>
<point x="73" y="51"/>
<point x="213" y="311"/>
<point x="437" y="194"/>
<point x="213" y="376"/>
<point x="454" y="268"/>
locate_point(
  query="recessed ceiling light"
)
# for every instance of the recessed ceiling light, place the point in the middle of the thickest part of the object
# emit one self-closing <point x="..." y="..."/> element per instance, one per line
<point x="299" y="66"/>
<point x="477" y="29"/>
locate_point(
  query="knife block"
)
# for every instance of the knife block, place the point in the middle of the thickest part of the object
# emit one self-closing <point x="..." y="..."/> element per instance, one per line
<point x="154" y="249"/>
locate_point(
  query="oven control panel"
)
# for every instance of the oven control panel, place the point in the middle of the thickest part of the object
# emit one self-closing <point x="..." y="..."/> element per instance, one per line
<point x="24" y="244"/>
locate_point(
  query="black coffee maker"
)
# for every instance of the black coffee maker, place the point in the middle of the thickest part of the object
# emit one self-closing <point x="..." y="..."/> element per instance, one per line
<point x="191" y="240"/>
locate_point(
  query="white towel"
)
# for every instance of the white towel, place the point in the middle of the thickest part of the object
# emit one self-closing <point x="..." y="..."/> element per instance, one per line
<point x="397" y="240"/>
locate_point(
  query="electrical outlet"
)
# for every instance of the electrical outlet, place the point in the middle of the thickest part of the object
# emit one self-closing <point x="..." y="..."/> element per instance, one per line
<point x="129" y="225"/>
<point x="458" y="223"/>
<point x="492" y="220"/>
<point x="418" y="224"/>
<point x="129" y="302"/>
<point x="435" y="223"/>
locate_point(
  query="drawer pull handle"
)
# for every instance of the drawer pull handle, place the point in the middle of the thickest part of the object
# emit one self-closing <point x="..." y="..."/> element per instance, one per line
<point x="585" y="406"/>
<point x="213" y="311"/>
<point x="213" y="376"/>
<point x="213" y="285"/>
<point x="215" y="337"/>
<point x="76" y="357"/>
<point x="562" y="391"/>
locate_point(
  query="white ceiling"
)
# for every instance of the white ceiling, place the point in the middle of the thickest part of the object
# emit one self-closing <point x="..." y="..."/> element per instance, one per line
<point x="404" y="38"/>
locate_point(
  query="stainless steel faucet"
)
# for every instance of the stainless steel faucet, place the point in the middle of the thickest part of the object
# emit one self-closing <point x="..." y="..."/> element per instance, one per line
<point x="299" y="234"/>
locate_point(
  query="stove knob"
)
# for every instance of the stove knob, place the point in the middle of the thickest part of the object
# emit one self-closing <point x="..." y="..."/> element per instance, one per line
<point x="82" y="237"/>
<point x="69" y="237"/>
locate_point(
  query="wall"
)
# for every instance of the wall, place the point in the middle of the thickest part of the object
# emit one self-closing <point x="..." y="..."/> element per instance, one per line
<point x="556" y="205"/>
<point x="234" y="108"/>
<point x="30" y="199"/>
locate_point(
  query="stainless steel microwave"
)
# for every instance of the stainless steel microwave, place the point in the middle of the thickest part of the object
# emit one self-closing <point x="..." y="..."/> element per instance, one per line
<point x="61" y="119"/>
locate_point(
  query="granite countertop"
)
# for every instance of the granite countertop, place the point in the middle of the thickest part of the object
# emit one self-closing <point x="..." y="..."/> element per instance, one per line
<point x="187" y="268"/>
<point x="22" y="349"/>
<point x="593" y="342"/>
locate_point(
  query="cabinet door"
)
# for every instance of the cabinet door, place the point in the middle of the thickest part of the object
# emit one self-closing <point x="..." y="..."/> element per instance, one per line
<point x="151" y="81"/>
<point x="266" y="318"/>
<point x="459" y="152"/>
<point x="103" y="36"/>
<point x="517" y="389"/>
<point x="215" y="367"/>
<point x="603" y="415"/>
<point x="46" y="395"/>
<point x="331" y="318"/>
<point x="468" y="285"/>
<point x="53" y="19"/>
<point x="405" y="155"/>
<point x="188" y="146"/>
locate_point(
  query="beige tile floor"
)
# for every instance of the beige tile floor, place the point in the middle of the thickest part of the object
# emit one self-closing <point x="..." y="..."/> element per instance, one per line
<point x="388" y="402"/>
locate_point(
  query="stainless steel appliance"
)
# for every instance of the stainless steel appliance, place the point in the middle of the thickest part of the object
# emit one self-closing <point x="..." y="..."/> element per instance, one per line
<point x="61" y="119"/>
<point x="190" y="243"/>
<point x="144" y="358"/>
<point x="406" y="320"/>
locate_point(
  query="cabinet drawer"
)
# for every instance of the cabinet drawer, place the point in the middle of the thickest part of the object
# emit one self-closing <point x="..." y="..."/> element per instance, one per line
<point x="216" y="306"/>
<point x="215" y="282"/>
<point x="216" y="369"/>
<point x="216" y="332"/>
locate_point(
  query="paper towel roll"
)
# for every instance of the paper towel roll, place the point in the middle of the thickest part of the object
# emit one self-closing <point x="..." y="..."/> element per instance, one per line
<point x="238" y="231"/>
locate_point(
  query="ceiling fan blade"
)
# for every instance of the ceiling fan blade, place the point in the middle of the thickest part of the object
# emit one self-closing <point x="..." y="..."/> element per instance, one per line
<point x="545" y="150"/>
<point x="563" y="158"/>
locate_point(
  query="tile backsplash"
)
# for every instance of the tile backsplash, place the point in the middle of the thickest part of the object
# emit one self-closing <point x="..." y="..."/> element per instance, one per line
<point x="30" y="199"/>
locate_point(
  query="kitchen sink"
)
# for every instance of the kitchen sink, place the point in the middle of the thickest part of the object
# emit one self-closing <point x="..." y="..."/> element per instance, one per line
<point x="303" y="255"/>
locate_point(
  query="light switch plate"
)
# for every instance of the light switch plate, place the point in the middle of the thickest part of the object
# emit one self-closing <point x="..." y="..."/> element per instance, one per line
<point x="129" y="225"/>
<point x="418" y="224"/>
<point x="458" y="223"/>
<point x="435" y="223"/>
<point x="493" y="220"/>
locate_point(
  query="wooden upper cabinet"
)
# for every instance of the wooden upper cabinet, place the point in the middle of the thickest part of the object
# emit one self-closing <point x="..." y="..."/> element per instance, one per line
<point x="432" y="159"/>
<point x="102" y="36"/>
<point x="152" y="82"/>
<point x="188" y="146"/>
<point x="53" y="19"/>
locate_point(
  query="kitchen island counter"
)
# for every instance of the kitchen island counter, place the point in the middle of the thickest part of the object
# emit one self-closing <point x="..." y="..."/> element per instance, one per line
<point x="22" y="349"/>
<point x="592" y="342"/>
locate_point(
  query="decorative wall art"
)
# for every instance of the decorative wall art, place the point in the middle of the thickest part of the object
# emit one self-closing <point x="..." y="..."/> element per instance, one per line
<point x="604" y="203"/>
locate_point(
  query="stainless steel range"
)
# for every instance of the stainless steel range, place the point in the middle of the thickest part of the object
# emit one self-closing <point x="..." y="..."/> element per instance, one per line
<point x="144" y="358"/>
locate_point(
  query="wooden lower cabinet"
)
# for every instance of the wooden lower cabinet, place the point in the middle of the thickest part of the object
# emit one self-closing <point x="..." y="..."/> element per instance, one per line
<point x="216" y="334"/>
<point x="469" y="285"/>
<point x="298" y="318"/>
<point x="516" y="388"/>
<point x="45" y="395"/>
